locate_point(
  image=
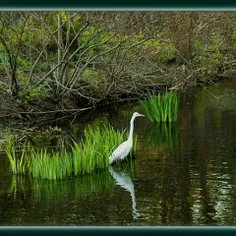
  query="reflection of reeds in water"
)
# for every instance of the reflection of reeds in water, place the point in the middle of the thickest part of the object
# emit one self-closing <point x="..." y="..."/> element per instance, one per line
<point x="89" y="154"/>
<point x="82" y="186"/>
<point x="162" y="135"/>
<point x="161" y="107"/>
<point x="99" y="181"/>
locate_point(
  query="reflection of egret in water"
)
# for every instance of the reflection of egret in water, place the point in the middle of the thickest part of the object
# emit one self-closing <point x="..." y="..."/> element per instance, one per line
<point x="162" y="135"/>
<point x="123" y="179"/>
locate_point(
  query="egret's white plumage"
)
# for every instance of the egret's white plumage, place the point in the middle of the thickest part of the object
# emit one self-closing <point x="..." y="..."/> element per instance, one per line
<point x="123" y="149"/>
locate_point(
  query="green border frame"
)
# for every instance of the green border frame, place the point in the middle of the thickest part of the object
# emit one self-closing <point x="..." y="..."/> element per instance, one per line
<point x="115" y="231"/>
<point x="118" y="5"/>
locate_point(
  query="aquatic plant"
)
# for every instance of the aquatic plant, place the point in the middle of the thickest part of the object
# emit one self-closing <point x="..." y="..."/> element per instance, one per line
<point x="79" y="186"/>
<point x="82" y="157"/>
<point x="17" y="154"/>
<point x="162" y="107"/>
<point x="54" y="166"/>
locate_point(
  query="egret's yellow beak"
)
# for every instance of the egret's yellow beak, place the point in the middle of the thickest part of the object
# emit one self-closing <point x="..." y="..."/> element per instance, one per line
<point x="141" y="114"/>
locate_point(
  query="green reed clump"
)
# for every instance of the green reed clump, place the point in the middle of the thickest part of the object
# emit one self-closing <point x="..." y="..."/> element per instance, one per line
<point x="51" y="166"/>
<point x="17" y="155"/>
<point x="162" y="107"/>
<point x="98" y="144"/>
<point x="91" y="153"/>
<point x="81" y="186"/>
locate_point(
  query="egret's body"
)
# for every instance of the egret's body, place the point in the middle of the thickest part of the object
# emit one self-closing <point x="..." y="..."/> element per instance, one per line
<point x="123" y="149"/>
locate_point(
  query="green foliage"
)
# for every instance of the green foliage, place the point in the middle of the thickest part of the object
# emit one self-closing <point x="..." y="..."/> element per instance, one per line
<point x="207" y="55"/>
<point x="22" y="62"/>
<point x="93" y="36"/>
<point x="161" y="108"/>
<point x="17" y="155"/>
<point x="90" y="39"/>
<point x="34" y="93"/>
<point x="90" y="154"/>
<point x="233" y="35"/>
<point x="54" y="166"/>
<point x="91" y="76"/>
<point x="161" y="51"/>
<point x="3" y="58"/>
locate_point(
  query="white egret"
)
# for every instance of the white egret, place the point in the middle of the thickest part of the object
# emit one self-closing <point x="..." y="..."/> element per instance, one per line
<point x="123" y="149"/>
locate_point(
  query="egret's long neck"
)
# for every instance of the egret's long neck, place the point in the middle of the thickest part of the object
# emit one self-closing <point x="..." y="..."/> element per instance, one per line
<point x="131" y="129"/>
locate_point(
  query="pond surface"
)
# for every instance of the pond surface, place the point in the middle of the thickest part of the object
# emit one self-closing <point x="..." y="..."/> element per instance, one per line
<point x="183" y="174"/>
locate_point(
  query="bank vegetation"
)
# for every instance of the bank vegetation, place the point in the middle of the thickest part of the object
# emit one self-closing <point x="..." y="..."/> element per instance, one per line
<point x="57" y="65"/>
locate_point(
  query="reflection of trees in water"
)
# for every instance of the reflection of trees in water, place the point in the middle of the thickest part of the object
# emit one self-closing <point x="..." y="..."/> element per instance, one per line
<point x="208" y="142"/>
<point x="225" y="101"/>
<point x="195" y="183"/>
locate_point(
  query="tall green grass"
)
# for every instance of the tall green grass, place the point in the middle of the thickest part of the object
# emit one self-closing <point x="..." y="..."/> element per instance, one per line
<point x="17" y="155"/>
<point x="91" y="153"/>
<point x="162" y="107"/>
<point x="99" y="181"/>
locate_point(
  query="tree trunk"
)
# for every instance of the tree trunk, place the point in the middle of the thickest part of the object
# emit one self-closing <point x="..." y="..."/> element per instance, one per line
<point x="14" y="84"/>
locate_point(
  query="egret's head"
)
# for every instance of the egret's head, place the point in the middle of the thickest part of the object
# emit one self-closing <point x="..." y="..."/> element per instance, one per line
<point x="137" y="114"/>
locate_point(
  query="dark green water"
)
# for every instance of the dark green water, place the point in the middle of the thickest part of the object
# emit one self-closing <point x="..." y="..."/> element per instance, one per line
<point x="184" y="174"/>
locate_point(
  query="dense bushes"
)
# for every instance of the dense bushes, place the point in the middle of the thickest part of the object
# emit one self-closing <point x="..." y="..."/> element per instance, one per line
<point x="93" y="57"/>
